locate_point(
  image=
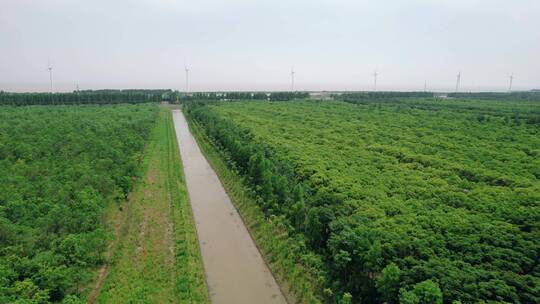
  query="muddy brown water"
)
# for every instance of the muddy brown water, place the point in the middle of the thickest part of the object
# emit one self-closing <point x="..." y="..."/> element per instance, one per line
<point x="235" y="270"/>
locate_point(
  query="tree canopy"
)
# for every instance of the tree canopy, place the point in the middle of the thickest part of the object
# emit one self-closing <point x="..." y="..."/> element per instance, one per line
<point x="412" y="200"/>
<point x="59" y="168"/>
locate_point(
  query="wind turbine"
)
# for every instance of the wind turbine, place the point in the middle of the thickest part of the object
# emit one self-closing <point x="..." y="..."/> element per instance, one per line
<point x="292" y="78"/>
<point x="425" y="85"/>
<point x="511" y="80"/>
<point x="458" y="81"/>
<point x="186" y="69"/>
<point x="50" y="68"/>
<point x="375" y="74"/>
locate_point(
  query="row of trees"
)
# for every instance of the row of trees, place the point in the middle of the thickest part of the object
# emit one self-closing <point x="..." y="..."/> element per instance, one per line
<point x="403" y="204"/>
<point x="85" y="97"/>
<point x="359" y="97"/>
<point x="374" y="96"/>
<point x="513" y="111"/>
<point x="514" y="96"/>
<point x="272" y="96"/>
<point x="59" y="168"/>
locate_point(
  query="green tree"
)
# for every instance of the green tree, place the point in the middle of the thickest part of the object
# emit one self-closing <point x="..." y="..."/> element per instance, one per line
<point x="426" y="292"/>
<point x="388" y="283"/>
<point x="346" y="298"/>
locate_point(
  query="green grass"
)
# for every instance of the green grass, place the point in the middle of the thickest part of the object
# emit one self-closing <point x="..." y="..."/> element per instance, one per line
<point x="157" y="259"/>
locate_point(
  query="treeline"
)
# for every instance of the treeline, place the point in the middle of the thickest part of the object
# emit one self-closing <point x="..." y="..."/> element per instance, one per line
<point x="514" y="112"/>
<point x="272" y="96"/>
<point x="360" y="97"/>
<point x="388" y="202"/>
<point x="509" y="96"/>
<point x="85" y="97"/>
<point x="59" y="168"/>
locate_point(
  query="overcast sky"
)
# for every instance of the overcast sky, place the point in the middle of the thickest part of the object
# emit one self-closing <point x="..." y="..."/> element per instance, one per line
<point x="251" y="45"/>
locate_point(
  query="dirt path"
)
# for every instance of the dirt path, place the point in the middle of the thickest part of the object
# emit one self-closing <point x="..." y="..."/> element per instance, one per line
<point x="118" y="222"/>
<point x="155" y="255"/>
<point x="235" y="270"/>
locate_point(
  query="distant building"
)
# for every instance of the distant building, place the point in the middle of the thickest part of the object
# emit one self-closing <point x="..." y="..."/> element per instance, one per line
<point x="323" y="95"/>
<point x="440" y="95"/>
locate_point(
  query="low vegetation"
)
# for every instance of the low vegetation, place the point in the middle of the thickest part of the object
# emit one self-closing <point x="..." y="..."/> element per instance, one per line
<point x="157" y="259"/>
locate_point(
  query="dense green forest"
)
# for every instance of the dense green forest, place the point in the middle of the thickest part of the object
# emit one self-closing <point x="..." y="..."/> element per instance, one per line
<point x="359" y="97"/>
<point x="404" y="200"/>
<point x="356" y="97"/>
<point x="85" y="97"/>
<point x="273" y="96"/>
<point x="518" y="95"/>
<point x="60" y="167"/>
<point x="136" y="96"/>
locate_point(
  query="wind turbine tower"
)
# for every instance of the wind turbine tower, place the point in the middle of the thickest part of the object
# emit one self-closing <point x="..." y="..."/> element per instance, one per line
<point x="292" y="79"/>
<point x="50" y="68"/>
<point x="511" y="80"/>
<point x="375" y="74"/>
<point x="425" y="85"/>
<point x="186" y="69"/>
<point x="458" y="81"/>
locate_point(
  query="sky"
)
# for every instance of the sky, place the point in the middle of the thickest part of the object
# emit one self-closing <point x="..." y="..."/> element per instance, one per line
<point x="253" y="45"/>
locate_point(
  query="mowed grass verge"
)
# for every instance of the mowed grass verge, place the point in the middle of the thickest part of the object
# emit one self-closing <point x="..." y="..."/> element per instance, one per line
<point x="157" y="257"/>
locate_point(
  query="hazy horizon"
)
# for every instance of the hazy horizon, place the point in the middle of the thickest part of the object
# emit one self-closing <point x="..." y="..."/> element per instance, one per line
<point x="252" y="45"/>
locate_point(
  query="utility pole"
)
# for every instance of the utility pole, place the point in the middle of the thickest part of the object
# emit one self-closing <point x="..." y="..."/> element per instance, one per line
<point x="187" y="78"/>
<point x="50" y="68"/>
<point x="458" y="80"/>
<point x="292" y="79"/>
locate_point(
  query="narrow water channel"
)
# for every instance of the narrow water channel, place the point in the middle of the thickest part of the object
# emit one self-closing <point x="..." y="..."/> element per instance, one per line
<point x="235" y="270"/>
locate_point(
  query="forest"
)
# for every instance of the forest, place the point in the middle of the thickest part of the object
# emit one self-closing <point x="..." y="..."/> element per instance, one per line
<point x="273" y="96"/>
<point x="516" y="95"/>
<point x="136" y="96"/>
<point x="356" y="97"/>
<point x="60" y="167"/>
<point x="85" y="97"/>
<point x="409" y="200"/>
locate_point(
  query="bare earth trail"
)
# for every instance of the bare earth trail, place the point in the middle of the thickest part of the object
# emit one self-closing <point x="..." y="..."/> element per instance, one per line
<point x="236" y="272"/>
<point x="154" y="257"/>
